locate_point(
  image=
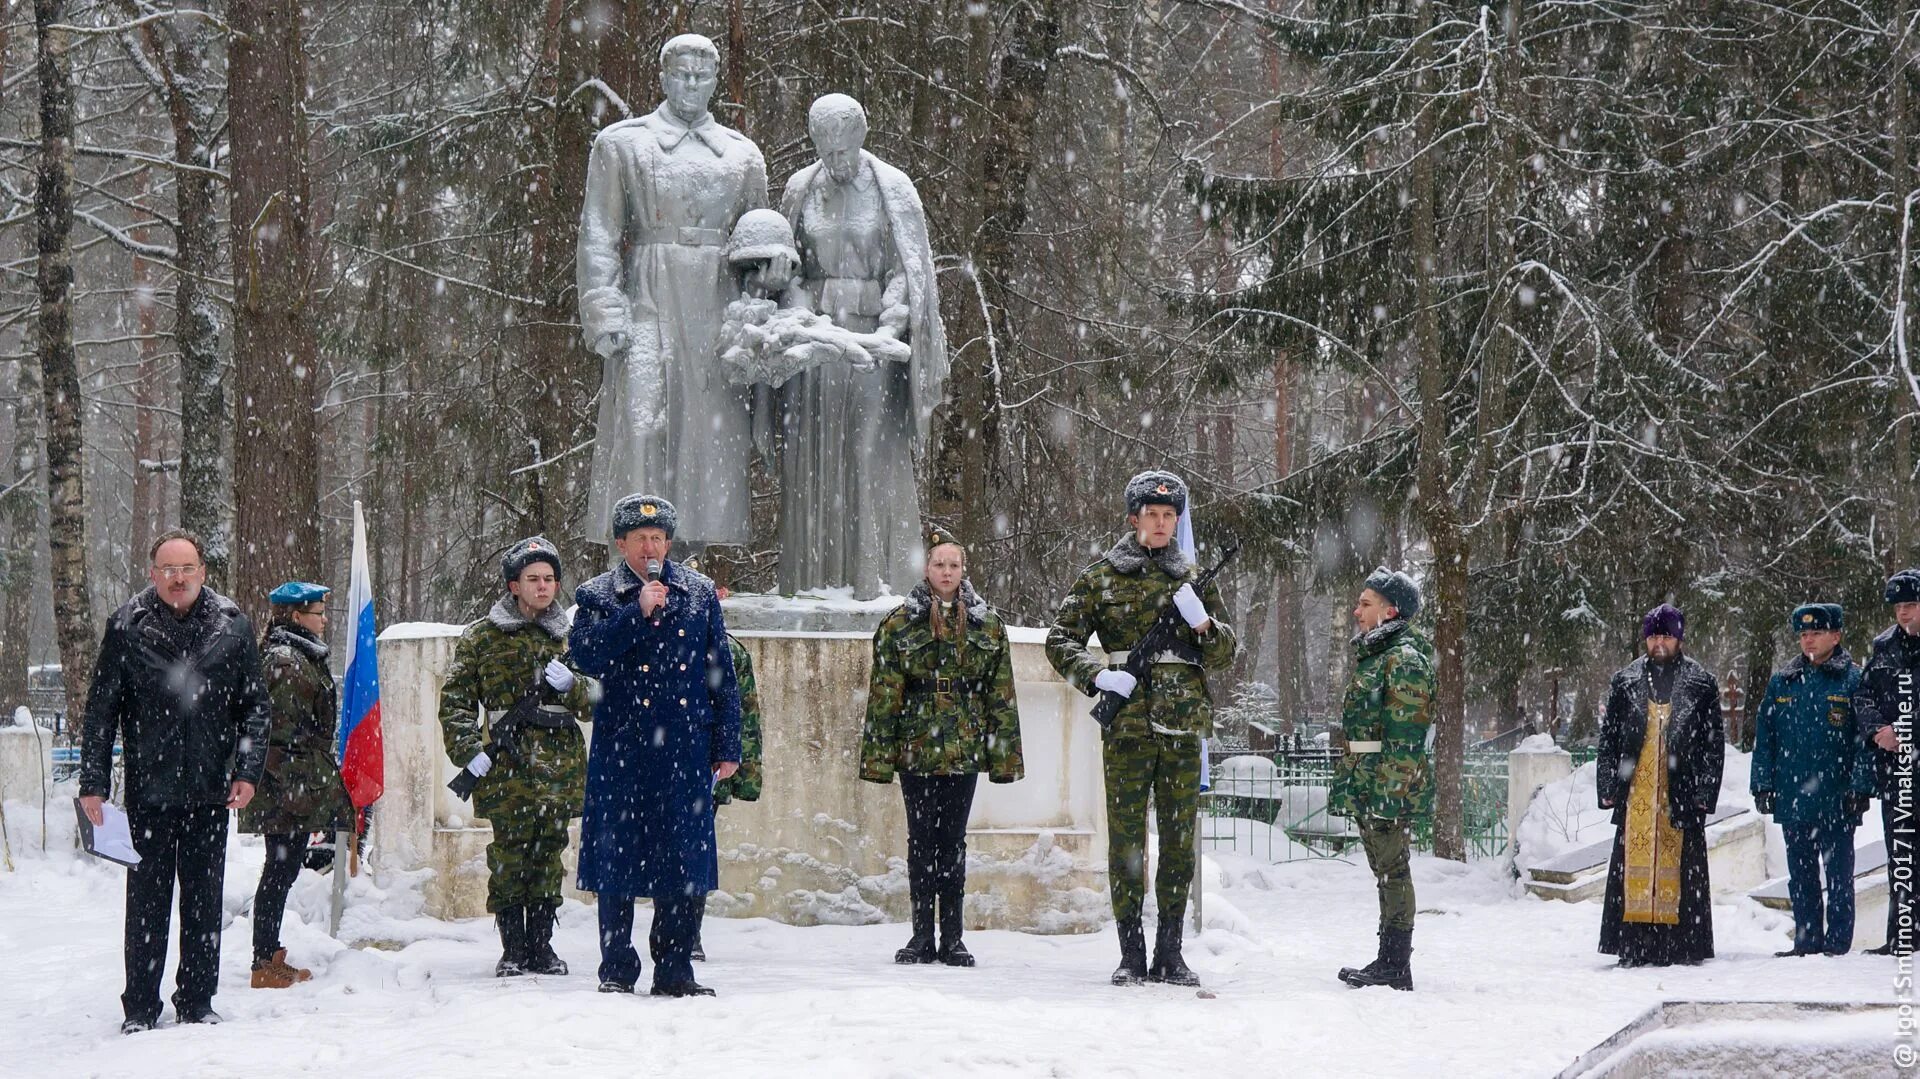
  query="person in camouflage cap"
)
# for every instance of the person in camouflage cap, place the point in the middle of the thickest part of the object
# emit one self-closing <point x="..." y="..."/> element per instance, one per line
<point x="1384" y="778"/>
<point x="300" y="790"/>
<point x="1152" y="749"/>
<point x="940" y="710"/>
<point x="528" y="794"/>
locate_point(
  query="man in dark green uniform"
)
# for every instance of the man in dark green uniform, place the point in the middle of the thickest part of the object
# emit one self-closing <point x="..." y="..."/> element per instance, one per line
<point x="1152" y="749"/>
<point x="1384" y="779"/>
<point x="537" y="783"/>
<point x="744" y="784"/>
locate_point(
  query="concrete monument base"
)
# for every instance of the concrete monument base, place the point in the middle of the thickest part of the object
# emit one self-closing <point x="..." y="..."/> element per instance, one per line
<point x="820" y="846"/>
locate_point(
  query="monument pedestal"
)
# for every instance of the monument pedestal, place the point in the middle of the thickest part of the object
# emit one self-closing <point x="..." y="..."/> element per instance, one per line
<point x="820" y="846"/>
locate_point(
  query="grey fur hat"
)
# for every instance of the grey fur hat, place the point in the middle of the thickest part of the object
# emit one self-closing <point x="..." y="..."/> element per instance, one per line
<point x="526" y="553"/>
<point x="644" y="511"/>
<point x="1156" y="488"/>
<point x="1396" y="588"/>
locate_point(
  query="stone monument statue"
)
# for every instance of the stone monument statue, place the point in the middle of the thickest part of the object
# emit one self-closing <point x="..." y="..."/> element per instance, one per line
<point x="849" y="504"/>
<point x="663" y="193"/>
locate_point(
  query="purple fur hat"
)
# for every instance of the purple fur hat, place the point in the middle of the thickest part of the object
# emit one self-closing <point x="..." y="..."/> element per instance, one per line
<point x="1664" y="621"/>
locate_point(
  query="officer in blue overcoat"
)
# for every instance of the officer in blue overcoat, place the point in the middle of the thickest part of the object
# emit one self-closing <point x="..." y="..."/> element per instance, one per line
<point x="666" y="728"/>
<point x="1812" y="772"/>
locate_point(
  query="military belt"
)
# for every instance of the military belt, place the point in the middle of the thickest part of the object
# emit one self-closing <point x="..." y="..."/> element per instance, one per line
<point x="1364" y="747"/>
<point x="681" y="236"/>
<point x="941" y="684"/>
<point x="1119" y="659"/>
<point x="552" y="719"/>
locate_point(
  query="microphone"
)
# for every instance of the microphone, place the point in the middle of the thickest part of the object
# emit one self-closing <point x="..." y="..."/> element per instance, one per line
<point x="653" y="569"/>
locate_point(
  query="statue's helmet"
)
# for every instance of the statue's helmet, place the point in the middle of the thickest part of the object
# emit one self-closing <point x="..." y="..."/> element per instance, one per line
<point x="761" y="234"/>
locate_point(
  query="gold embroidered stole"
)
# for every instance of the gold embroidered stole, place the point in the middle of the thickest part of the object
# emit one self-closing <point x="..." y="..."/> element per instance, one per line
<point x="1653" y="843"/>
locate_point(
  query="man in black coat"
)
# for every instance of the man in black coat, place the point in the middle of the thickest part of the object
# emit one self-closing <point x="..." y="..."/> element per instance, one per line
<point x="178" y="684"/>
<point x="1659" y="902"/>
<point x="1888" y="704"/>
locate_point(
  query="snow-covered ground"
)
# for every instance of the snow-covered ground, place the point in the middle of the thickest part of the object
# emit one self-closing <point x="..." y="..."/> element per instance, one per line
<point x="1507" y="986"/>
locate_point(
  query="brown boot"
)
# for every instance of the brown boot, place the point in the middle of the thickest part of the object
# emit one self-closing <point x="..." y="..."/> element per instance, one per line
<point x="277" y="973"/>
<point x="300" y="974"/>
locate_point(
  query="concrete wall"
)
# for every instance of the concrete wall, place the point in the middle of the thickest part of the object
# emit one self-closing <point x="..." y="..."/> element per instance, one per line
<point x="819" y="846"/>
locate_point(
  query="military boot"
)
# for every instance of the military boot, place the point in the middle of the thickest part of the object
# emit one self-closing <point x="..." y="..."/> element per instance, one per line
<point x="952" y="923"/>
<point x="921" y="949"/>
<point x="512" y="923"/>
<point x="1379" y="957"/>
<point x="539" y="957"/>
<point x="1395" y="966"/>
<point x="1168" y="965"/>
<point x="1133" y="953"/>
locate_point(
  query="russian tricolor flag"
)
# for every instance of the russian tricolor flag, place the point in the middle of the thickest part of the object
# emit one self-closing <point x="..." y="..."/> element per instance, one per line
<point x="362" y="757"/>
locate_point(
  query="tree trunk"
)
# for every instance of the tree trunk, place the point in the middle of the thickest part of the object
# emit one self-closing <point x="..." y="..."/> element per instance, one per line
<point x="276" y="459"/>
<point x="1437" y="512"/>
<point x="1905" y="518"/>
<point x="59" y="367"/>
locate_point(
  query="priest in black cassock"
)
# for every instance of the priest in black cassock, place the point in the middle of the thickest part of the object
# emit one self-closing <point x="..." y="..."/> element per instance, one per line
<point x="1662" y="743"/>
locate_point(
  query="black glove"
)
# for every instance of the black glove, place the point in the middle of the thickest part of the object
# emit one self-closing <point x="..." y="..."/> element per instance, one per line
<point x="319" y="856"/>
<point x="1857" y="805"/>
<point x="1763" y="802"/>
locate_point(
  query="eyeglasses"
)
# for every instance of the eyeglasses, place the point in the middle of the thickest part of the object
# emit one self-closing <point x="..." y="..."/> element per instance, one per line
<point x="170" y="572"/>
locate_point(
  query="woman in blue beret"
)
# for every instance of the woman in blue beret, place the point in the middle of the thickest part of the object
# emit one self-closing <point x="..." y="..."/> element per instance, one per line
<point x="301" y="790"/>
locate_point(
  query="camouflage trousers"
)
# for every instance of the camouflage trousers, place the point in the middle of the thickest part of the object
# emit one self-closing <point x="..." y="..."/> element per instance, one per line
<point x="1165" y="768"/>
<point x="1387" y="845"/>
<point x="523" y="861"/>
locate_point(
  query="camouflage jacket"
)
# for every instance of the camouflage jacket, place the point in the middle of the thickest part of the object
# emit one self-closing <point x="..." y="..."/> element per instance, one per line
<point x="1388" y="702"/>
<point x="499" y="659"/>
<point x="745" y="783"/>
<point x="300" y="789"/>
<point x="1118" y="598"/>
<point x="937" y="707"/>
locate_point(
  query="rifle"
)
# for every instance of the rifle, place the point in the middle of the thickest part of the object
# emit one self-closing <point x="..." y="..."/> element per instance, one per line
<point x="1160" y="637"/>
<point x="505" y="732"/>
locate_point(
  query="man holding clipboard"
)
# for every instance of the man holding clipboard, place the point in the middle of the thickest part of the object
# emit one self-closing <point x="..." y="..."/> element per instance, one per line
<point x="178" y="685"/>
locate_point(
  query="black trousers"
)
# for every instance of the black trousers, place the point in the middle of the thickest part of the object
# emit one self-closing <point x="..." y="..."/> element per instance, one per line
<point x="285" y="854"/>
<point x="187" y="844"/>
<point x="676" y="925"/>
<point x="937" y="809"/>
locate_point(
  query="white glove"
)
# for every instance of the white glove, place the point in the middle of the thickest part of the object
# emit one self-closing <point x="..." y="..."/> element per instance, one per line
<point x="1190" y="607"/>
<point x="1113" y="681"/>
<point x="558" y="676"/>
<point x="480" y="765"/>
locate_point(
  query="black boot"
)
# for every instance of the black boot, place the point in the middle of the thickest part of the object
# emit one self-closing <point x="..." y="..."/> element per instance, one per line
<point x="699" y="953"/>
<point x="921" y="949"/>
<point x="1395" y="967"/>
<point x="1379" y="957"/>
<point x="952" y="924"/>
<point x="512" y="922"/>
<point x="1168" y="965"/>
<point x="1133" y="953"/>
<point x="539" y="956"/>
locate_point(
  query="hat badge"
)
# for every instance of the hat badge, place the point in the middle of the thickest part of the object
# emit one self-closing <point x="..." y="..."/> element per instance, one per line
<point x="649" y="510"/>
<point x="1806" y="618"/>
<point x="1161" y="490"/>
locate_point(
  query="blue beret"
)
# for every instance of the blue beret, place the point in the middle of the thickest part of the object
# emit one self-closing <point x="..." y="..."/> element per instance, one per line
<point x="298" y="594"/>
<point x="1396" y="588"/>
<point x="1904" y="587"/>
<point x="644" y="511"/>
<point x="1818" y="616"/>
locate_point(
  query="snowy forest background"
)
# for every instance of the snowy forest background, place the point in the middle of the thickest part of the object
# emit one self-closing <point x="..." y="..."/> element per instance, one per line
<point x="1575" y="305"/>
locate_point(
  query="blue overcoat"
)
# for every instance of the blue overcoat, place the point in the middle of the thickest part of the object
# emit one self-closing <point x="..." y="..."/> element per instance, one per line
<point x="1808" y="746"/>
<point x="669" y="710"/>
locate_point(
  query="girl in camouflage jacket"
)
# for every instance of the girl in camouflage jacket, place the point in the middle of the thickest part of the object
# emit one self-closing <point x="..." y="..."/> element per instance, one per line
<point x="940" y="710"/>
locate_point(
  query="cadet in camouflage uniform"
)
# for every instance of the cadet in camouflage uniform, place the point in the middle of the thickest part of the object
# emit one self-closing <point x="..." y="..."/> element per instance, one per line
<point x="1153" y="747"/>
<point x="940" y="710"/>
<point x="538" y="784"/>
<point x="744" y="784"/>
<point x="300" y="790"/>
<point x="1385" y="779"/>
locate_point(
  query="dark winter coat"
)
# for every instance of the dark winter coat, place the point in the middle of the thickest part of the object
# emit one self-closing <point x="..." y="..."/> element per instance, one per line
<point x="1807" y="745"/>
<point x="300" y="787"/>
<point x="914" y="727"/>
<point x="185" y="699"/>
<point x="1889" y="685"/>
<point x="669" y="710"/>
<point x="1695" y="736"/>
